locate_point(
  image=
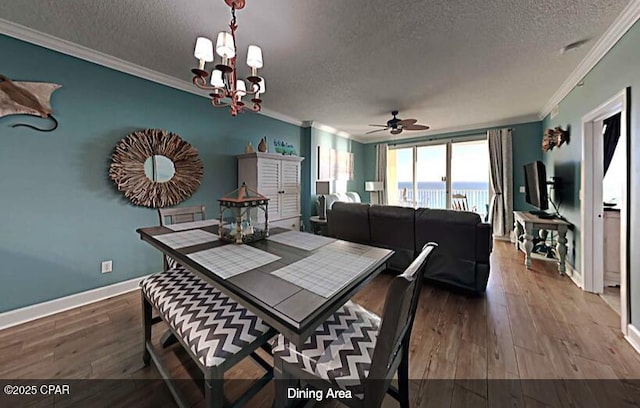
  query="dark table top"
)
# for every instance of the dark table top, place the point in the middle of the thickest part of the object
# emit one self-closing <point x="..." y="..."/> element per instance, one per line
<point x="292" y="310"/>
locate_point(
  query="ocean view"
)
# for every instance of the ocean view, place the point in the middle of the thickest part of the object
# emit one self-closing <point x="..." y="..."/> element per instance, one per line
<point x="431" y="194"/>
<point x="436" y="185"/>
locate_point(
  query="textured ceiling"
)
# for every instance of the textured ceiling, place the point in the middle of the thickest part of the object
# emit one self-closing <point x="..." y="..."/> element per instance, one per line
<point x="447" y="63"/>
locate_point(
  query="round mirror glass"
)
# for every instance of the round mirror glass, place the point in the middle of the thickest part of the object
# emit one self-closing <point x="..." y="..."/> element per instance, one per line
<point x="159" y="168"/>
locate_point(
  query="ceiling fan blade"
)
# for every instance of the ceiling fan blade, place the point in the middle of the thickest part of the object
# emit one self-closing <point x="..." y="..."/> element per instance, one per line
<point x="378" y="125"/>
<point x="416" y="127"/>
<point x="407" y="122"/>
<point x="374" y="131"/>
<point x="396" y="131"/>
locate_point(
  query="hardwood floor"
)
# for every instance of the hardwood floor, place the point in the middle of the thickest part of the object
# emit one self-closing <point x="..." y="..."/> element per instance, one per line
<point x="465" y="351"/>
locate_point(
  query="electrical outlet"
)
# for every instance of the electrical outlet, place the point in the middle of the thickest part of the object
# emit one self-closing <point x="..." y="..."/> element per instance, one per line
<point x="107" y="266"/>
<point x="522" y="189"/>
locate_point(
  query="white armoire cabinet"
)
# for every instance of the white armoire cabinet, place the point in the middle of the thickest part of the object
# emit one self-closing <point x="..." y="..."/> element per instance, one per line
<point x="278" y="178"/>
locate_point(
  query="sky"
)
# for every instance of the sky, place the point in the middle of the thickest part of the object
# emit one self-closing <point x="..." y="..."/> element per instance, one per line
<point x="469" y="162"/>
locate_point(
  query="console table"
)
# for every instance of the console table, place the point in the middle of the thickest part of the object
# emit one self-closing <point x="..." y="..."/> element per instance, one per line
<point x="525" y="223"/>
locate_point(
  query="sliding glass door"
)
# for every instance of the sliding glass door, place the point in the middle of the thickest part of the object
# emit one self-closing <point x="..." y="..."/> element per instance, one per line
<point x="431" y="176"/>
<point x="470" y="175"/>
<point x="443" y="174"/>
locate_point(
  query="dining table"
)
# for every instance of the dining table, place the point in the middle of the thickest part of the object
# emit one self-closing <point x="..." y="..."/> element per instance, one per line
<point x="292" y="280"/>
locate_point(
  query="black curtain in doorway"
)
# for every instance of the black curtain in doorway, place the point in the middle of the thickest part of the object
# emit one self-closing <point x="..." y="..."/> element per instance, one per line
<point x="611" y="137"/>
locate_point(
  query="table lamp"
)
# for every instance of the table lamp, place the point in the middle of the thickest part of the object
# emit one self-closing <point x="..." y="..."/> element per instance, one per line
<point x="373" y="187"/>
<point x="322" y="188"/>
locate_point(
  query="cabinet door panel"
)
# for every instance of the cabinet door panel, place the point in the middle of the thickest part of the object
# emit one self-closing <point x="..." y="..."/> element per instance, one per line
<point x="269" y="185"/>
<point x="290" y="205"/>
<point x="290" y="177"/>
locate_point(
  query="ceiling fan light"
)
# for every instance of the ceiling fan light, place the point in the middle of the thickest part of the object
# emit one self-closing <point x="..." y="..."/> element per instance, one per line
<point x="225" y="46"/>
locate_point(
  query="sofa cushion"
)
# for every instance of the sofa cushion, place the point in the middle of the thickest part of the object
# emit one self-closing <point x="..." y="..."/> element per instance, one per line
<point x="350" y="222"/>
<point x="455" y="232"/>
<point x="393" y="227"/>
<point x="348" y="197"/>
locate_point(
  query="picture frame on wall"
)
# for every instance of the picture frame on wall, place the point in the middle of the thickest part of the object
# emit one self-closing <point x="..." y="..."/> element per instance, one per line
<point x="334" y="164"/>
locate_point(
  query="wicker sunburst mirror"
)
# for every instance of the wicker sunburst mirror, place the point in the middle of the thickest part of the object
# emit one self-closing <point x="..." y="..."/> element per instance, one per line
<point x="155" y="168"/>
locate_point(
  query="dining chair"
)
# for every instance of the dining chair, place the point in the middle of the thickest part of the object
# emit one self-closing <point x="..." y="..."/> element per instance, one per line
<point x="356" y="351"/>
<point x="179" y="215"/>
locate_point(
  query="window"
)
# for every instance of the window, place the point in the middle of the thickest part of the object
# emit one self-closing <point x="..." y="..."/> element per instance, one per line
<point x="443" y="174"/>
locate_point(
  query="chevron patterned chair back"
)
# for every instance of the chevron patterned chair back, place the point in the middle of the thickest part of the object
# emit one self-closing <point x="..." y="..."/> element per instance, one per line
<point x="178" y="215"/>
<point x="356" y="351"/>
<point x="214" y="329"/>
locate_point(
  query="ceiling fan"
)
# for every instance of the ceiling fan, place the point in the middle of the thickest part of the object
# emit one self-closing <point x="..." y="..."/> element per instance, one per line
<point x="398" y="125"/>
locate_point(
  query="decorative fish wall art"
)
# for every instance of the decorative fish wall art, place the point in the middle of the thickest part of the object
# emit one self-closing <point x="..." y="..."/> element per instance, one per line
<point x="27" y="98"/>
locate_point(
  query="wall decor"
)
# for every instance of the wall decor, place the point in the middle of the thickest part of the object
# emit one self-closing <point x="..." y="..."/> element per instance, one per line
<point x="155" y="168"/>
<point x="334" y="164"/>
<point x="554" y="138"/>
<point x="262" y="146"/>
<point x="27" y="98"/>
<point x="282" y="147"/>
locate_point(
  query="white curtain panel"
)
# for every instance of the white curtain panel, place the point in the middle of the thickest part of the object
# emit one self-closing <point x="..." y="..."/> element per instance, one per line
<point x="501" y="176"/>
<point x="381" y="172"/>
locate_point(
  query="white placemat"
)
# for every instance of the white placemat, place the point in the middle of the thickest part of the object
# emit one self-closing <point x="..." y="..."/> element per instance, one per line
<point x="191" y="225"/>
<point x="230" y="260"/>
<point x="183" y="239"/>
<point x="325" y="272"/>
<point x="302" y="240"/>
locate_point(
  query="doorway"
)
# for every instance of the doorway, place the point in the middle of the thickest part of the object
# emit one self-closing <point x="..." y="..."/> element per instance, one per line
<point x="601" y="248"/>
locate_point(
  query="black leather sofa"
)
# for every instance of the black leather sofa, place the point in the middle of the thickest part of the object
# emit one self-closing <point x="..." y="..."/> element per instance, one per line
<point x="464" y="242"/>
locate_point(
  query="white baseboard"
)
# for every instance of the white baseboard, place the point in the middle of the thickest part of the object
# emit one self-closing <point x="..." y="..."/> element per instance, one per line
<point x="33" y="312"/>
<point x="633" y="337"/>
<point x="575" y="275"/>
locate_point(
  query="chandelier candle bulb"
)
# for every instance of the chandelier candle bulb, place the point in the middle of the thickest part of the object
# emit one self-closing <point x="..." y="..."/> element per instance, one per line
<point x="225" y="46"/>
<point x="203" y="51"/>
<point x="216" y="78"/>
<point x="241" y="89"/>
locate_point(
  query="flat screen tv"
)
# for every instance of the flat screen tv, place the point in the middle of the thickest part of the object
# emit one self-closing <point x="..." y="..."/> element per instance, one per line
<point x="535" y="184"/>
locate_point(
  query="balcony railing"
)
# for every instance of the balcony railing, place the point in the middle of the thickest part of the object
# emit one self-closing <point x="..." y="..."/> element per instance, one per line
<point x="478" y="200"/>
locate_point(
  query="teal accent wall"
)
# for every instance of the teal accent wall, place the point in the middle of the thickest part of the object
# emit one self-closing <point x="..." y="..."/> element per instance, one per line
<point x="619" y="69"/>
<point x="526" y="144"/>
<point x="325" y="139"/>
<point x="307" y="177"/>
<point x="61" y="216"/>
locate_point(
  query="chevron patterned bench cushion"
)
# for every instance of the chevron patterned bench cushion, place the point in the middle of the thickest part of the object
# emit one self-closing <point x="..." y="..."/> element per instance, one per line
<point x="339" y="351"/>
<point x="214" y="326"/>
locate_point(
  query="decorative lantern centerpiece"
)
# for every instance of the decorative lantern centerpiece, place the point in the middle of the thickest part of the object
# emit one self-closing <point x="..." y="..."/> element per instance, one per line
<point x="240" y="213"/>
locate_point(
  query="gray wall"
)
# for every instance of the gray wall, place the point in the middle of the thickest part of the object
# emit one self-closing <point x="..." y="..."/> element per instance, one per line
<point x="619" y="69"/>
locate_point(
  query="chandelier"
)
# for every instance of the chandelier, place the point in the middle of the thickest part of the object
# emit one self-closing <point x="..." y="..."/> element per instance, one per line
<point x="226" y="89"/>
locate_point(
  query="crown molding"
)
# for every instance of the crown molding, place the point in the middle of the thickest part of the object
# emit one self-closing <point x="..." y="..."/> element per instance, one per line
<point x="32" y="36"/>
<point x="437" y="132"/>
<point x="332" y="130"/>
<point x="630" y="14"/>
